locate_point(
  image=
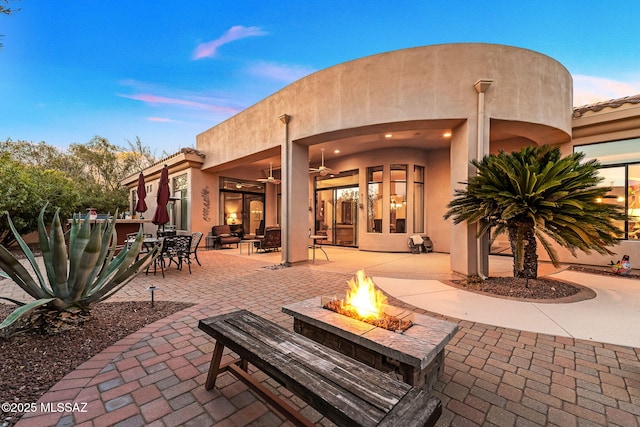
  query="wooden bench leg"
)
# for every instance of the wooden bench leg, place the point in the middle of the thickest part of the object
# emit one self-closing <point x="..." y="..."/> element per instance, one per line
<point x="239" y="368"/>
<point x="214" y="368"/>
<point x="284" y="408"/>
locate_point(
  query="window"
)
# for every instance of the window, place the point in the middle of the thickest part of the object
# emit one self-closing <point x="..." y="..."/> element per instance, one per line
<point x="633" y="197"/>
<point x="336" y="212"/>
<point x="398" y="199"/>
<point x="374" y="199"/>
<point x="134" y="201"/>
<point x="612" y="153"/>
<point x="418" y="199"/>
<point x="242" y="205"/>
<point x="614" y="177"/>
<point x="621" y="172"/>
<point x="179" y="205"/>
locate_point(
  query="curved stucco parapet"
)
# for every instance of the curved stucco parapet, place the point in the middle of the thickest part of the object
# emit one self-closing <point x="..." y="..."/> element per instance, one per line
<point x="423" y="83"/>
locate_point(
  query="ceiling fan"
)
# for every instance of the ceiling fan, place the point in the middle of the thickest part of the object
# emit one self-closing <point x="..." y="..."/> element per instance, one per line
<point x="322" y="169"/>
<point x="270" y="179"/>
<point x="242" y="184"/>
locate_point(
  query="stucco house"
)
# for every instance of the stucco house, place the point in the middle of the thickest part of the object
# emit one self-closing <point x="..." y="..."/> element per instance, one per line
<point x="370" y="151"/>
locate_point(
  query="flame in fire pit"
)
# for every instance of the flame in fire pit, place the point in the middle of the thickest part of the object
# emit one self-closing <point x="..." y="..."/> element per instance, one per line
<point x="364" y="297"/>
<point x="364" y="302"/>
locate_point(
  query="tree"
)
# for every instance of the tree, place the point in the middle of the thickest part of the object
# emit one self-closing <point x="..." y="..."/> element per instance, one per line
<point x="102" y="165"/>
<point x="7" y="10"/>
<point x="98" y="160"/>
<point x="4" y="10"/>
<point x="138" y="157"/>
<point x="35" y="154"/>
<point x="535" y="195"/>
<point x="28" y="189"/>
<point x="87" y="175"/>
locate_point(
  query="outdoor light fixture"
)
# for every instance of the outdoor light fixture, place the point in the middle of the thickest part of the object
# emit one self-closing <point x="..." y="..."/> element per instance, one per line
<point x="284" y="118"/>
<point x="152" y="289"/>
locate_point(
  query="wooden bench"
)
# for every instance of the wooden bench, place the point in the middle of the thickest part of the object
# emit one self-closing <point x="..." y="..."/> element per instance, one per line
<point x="342" y="389"/>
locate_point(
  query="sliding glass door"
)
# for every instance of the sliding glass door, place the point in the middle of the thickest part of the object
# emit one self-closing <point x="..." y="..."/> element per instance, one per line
<point x="242" y="205"/>
<point x="336" y="208"/>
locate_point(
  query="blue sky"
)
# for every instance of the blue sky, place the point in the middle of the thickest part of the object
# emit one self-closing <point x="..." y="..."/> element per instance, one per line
<point x="166" y="71"/>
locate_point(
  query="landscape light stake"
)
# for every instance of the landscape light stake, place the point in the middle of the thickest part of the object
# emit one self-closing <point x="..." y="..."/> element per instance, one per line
<point x="152" y="289"/>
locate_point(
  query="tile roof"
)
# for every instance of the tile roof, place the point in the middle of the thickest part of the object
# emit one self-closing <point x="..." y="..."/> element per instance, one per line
<point x="612" y="103"/>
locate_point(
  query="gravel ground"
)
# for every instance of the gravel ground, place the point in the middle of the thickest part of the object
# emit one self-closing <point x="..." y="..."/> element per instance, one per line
<point x="542" y="288"/>
<point x="536" y="289"/>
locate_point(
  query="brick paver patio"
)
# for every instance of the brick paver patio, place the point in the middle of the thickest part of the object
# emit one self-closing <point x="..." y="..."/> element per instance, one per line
<point x="493" y="376"/>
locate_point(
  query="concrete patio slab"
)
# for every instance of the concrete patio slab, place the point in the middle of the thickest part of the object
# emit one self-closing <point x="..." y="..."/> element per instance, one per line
<point x="605" y="318"/>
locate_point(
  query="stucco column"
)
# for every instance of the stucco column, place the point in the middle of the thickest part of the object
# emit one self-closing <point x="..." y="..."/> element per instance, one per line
<point x="483" y="149"/>
<point x="463" y="148"/>
<point x="295" y="180"/>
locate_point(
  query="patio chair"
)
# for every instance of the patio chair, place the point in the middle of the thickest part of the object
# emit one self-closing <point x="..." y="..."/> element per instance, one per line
<point x="130" y="237"/>
<point x="164" y="233"/>
<point x="420" y="243"/>
<point x="193" y="250"/>
<point x="271" y="239"/>
<point x="174" y="249"/>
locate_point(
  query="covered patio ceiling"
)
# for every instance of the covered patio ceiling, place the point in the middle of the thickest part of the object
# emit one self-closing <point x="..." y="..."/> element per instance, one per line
<point x="423" y="134"/>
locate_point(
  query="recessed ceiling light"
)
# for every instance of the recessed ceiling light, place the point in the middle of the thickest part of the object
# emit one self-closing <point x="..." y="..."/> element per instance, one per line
<point x="388" y="135"/>
<point x="446" y="134"/>
<point x="336" y="151"/>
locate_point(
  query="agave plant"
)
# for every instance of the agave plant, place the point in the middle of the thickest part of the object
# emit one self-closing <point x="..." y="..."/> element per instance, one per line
<point x="74" y="279"/>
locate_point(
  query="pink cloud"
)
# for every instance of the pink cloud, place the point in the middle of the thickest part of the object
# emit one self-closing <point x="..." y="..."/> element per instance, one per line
<point x="236" y="32"/>
<point x="156" y="99"/>
<point x="591" y="89"/>
<point x="160" y="119"/>
<point x="284" y="73"/>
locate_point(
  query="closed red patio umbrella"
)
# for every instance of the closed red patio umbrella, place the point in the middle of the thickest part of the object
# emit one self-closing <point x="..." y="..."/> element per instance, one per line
<point x="161" y="215"/>
<point x="141" y="205"/>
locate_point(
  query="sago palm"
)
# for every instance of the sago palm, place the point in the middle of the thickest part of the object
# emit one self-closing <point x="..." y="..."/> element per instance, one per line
<point x="535" y="195"/>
